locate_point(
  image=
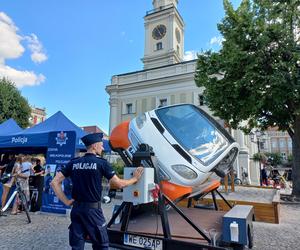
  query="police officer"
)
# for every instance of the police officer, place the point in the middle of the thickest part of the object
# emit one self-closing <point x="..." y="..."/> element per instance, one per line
<point x="86" y="173"/>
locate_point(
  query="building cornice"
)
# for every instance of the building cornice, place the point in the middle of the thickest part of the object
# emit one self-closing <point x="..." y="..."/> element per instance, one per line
<point x="153" y="69"/>
<point x="155" y="13"/>
<point x="151" y="83"/>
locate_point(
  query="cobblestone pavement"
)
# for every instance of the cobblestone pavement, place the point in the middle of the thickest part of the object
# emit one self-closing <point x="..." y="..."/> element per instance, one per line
<point x="49" y="232"/>
<point x="285" y="235"/>
<point x="45" y="232"/>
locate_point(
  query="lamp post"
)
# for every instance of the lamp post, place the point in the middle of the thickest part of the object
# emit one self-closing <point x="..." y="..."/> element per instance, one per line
<point x="260" y="137"/>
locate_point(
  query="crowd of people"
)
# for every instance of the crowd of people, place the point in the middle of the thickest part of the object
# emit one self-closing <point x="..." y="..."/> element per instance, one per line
<point x="28" y="172"/>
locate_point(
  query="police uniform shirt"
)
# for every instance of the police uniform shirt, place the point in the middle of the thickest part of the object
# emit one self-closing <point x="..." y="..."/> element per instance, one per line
<point x="86" y="174"/>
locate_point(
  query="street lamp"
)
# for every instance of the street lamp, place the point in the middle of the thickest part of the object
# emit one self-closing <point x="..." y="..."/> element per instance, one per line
<point x="260" y="137"/>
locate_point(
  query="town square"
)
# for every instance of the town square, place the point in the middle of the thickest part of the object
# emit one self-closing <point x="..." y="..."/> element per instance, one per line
<point x="153" y="124"/>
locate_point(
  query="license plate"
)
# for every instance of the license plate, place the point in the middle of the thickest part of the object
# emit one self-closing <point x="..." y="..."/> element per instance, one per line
<point x="143" y="242"/>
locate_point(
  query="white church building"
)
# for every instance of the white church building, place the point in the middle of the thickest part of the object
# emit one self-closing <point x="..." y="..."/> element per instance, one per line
<point x="166" y="79"/>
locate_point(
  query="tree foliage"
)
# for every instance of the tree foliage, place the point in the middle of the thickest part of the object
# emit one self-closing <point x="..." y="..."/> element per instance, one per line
<point x="274" y="159"/>
<point x="259" y="157"/>
<point x="118" y="166"/>
<point x="254" y="80"/>
<point x="290" y="158"/>
<point x="13" y="104"/>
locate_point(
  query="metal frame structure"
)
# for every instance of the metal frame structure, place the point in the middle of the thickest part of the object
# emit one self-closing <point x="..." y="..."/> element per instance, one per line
<point x="145" y="155"/>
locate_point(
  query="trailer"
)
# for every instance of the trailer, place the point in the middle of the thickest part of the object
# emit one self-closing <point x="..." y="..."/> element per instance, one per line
<point x="180" y="147"/>
<point x="161" y="224"/>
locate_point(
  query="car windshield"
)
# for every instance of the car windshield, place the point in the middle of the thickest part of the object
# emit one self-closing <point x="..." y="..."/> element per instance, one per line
<point x="193" y="131"/>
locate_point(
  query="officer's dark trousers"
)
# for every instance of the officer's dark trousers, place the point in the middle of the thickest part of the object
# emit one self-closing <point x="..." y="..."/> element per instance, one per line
<point x="88" y="222"/>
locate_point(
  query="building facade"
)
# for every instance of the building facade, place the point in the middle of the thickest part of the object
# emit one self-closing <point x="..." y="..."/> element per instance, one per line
<point x="166" y="78"/>
<point x="37" y="115"/>
<point x="278" y="142"/>
<point x="94" y="129"/>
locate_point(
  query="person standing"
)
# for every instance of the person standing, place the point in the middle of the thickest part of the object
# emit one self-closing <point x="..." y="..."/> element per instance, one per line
<point x="264" y="176"/>
<point x="25" y="173"/>
<point x="86" y="174"/>
<point x="38" y="182"/>
<point x="8" y="169"/>
<point x="23" y="181"/>
<point x="4" y="160"/>
<point x="37" y="168"/>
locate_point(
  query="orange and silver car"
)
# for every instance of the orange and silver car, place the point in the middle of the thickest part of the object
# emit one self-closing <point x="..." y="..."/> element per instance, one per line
<point x="188" y="143"/>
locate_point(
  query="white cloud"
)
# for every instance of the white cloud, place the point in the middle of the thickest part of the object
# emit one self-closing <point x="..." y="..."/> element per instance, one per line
<point x="216" y="40"/>
<point x="21" y="78"/>
<point x="35" y="46"/>
<point x="38" y="57"/>
<point x="11" y="48"/>
<point x="190" y="55"/>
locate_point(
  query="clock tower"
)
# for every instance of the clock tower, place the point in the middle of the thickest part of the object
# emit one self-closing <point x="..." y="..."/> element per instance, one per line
<point x="164" y="35"/>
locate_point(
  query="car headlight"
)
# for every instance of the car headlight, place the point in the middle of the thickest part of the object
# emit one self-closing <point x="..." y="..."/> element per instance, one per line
<point x="185" y="172"/>
<point x="140" y="120"/>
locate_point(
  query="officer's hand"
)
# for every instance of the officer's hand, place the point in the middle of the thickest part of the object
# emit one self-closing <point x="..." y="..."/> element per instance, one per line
<point x="70" y="202"/>
<point x="138" y="173"/>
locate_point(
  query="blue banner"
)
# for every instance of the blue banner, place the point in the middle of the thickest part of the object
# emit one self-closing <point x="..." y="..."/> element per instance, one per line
<point x="60" y="151"/>
<point x="61" y="147"/>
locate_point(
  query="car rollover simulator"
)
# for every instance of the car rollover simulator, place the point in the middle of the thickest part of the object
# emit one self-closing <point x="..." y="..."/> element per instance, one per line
<point x="180" y="147"/>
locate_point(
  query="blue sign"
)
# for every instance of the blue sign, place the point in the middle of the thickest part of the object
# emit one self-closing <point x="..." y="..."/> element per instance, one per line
<point x="61" y="147"/>
<point x="60" y="151"/>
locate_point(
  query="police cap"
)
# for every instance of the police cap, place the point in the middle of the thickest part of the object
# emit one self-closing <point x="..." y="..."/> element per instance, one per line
<point x="92" y="138"/>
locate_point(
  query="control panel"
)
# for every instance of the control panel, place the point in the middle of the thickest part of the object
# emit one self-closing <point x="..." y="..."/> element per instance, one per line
<point x="140" y="192"/>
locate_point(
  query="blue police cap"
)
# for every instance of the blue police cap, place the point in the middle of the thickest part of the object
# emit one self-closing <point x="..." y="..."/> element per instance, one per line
<point x="92" y="138"/>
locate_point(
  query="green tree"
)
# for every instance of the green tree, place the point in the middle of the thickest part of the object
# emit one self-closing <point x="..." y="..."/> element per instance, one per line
<point x="274" y="159"/>
<point x="259" y="157"/>
<point x="13" y="104"/>
<point x="118" y="166"/>
<point x="290" y="158"/>
<point x="254" y="80"/>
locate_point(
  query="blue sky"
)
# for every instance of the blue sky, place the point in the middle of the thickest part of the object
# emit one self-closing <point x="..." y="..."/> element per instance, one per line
<point x="62" y="53"/>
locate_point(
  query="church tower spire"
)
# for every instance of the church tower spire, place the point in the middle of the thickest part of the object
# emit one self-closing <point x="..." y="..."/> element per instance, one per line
<point x="164" y="35"/>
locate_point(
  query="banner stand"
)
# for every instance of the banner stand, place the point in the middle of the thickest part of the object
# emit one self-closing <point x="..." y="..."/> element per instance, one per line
<point x="60" y="151"/>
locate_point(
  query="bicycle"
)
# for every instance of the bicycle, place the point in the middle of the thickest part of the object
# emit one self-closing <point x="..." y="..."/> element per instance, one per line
<point x="279" y="180"/>
<point x="19" y="192"/>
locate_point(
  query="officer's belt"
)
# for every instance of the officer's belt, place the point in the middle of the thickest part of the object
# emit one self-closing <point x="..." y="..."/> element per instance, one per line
<point x="82" y="204"/>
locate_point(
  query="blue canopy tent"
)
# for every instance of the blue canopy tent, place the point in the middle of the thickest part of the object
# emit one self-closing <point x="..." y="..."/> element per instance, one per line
<point x="35" y="139"/>
<point x="9" y="127"/>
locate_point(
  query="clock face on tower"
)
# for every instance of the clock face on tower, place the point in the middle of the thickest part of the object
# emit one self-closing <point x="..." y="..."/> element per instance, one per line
<point x="159" y="32"/>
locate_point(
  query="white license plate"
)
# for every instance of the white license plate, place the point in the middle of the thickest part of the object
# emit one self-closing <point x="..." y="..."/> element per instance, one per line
<point x="143" y="242"/>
